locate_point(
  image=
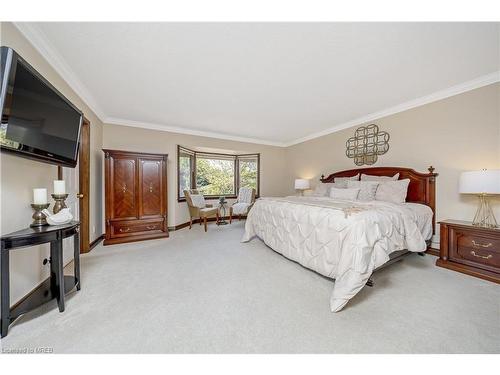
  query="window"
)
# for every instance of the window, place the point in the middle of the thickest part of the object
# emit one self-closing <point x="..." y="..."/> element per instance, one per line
<point x="216" y="174"/>
<point x="248" y="171"/>
<point x="186" y="165"/>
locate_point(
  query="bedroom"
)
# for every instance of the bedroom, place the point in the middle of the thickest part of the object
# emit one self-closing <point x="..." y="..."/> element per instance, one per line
<point x="253" y="188"/>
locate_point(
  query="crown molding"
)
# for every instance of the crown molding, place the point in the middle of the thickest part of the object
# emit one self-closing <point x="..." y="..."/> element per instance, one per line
<point x="438" y="95"/>
<point x="36" y="37"/>
<point x="187" y="131"/>
<point x="38" y="40"/>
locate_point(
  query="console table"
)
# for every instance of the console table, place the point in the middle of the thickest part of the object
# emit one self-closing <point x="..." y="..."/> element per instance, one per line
<point x="56" y="286"/>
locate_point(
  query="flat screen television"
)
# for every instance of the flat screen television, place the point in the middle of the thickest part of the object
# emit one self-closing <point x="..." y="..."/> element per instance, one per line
<point x="38" y="122"/>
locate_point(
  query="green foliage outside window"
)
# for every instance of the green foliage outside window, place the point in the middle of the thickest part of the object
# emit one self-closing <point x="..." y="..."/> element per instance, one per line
<point x="215" y="174"/>
<point x="248" y="173"/>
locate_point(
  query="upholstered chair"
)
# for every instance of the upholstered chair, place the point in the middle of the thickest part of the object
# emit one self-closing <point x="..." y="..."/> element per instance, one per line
<point x="243" y="204"/>
<point x="198" y="208"/>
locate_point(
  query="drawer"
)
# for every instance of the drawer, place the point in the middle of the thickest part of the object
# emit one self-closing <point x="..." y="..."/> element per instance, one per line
<point x="128" y="228"/>
<point x="474" y="249"/>
<point x="475" y="241"/>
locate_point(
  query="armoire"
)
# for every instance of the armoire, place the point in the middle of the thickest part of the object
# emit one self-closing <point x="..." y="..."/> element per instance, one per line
<point x="135" y="196"/>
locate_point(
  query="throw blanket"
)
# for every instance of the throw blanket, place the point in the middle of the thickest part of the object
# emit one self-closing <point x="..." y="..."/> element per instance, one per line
<point x="343" y="240"/>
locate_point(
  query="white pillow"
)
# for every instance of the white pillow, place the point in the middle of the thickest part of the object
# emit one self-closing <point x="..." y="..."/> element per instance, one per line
<point x="342" y="181"/>
<point x="349" y="194"/>
<point x="367" y="189"/>
<point x="198" y="200"/>
<point x="322" y="189"/>
<point x="393" y="191"/>
<point x="369" y="177"/>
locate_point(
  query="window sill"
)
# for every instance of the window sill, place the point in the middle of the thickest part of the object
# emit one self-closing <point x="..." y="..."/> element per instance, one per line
<point x="210" y="197"/>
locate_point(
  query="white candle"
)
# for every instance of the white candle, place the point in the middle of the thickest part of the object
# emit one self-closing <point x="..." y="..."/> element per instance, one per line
<point x="59" y="187"/>
<point x="40" y="196"/>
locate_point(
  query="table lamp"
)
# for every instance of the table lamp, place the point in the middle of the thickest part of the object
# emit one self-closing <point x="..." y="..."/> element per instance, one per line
<point x="301" y="184"/>
<point x="483" y="183"/>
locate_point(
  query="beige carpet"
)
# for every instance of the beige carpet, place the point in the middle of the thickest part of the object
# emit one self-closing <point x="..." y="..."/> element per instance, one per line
<point x="208" y="293"/>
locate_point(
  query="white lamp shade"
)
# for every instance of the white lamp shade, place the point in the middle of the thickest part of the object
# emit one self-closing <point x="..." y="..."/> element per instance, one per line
<point x="301" y="184"/>
<point x="480" y="182"/>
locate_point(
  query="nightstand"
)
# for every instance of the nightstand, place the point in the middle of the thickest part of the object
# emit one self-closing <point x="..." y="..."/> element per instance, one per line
<point x="469" y="249"/>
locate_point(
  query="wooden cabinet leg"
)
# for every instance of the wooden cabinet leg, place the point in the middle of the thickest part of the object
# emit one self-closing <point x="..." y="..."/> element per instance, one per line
<point x="5" y="303"/>
<point x="230" y="214"/>
<point x="76" y="260"/>
<point x="205" y="222"/>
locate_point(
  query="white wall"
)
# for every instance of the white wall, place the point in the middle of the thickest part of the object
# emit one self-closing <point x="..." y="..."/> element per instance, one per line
<point x="19" y="176"/>
<point x="273" y="169"/>
<point x="454" y="134"/>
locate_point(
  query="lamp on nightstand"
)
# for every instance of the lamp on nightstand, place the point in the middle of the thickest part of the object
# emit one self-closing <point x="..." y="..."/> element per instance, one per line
<point x="483" y="183"/>
<point x="301" y="184"/>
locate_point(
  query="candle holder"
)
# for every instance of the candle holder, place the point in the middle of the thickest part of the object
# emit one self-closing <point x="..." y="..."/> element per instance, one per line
<point x="39" y="218"/>
<point x="60" y="204"/>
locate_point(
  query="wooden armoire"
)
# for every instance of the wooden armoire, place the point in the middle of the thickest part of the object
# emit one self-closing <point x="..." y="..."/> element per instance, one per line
<point x="136" y="196"/>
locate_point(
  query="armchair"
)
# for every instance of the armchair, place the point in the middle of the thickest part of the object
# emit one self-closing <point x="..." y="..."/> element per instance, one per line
<point x="243" y="204"/>
<point x="198" y="208"/>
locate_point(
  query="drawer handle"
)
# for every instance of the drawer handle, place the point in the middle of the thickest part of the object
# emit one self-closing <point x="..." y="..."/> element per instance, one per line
<point x="482" y="245"/>
<point x="150" y="187"/>
<point x="124" y="230"/>
<point x="150" y="227"/>
<point x="481" y="256"/>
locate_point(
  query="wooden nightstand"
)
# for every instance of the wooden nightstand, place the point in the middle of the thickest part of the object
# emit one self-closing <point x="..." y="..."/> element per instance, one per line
<point x="469" y="249"/>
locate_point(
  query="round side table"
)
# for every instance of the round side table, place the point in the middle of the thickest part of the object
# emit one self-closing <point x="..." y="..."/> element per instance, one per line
<point x="222" y="213"/>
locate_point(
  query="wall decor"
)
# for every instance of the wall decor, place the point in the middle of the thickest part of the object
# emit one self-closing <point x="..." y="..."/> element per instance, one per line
<point x="368" y="142"/>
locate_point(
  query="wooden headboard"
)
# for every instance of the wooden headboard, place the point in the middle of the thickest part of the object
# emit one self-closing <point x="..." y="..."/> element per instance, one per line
<point x="422" y="188"/>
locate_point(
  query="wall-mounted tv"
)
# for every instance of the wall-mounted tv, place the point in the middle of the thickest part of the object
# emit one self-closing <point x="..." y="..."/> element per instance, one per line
<point x="38" y="122"/>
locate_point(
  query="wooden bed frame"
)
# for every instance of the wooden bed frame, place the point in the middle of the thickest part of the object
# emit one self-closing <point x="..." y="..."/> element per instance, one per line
<point x="422" y="189"/>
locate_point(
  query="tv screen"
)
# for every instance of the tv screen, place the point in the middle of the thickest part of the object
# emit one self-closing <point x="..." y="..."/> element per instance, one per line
<point x="37" y="121"/>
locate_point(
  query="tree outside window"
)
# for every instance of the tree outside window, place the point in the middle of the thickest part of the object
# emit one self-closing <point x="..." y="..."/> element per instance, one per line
<point x="215" y="175"/>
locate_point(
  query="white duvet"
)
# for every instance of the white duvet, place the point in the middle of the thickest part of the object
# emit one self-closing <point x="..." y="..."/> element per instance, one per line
<point x="343" y="240"/>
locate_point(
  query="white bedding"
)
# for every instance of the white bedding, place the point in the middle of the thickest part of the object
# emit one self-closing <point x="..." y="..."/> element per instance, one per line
<point x="343" y="240"/>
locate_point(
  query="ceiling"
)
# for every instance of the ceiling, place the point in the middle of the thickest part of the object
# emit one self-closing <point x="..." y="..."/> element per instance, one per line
<point x="271" y="83"/>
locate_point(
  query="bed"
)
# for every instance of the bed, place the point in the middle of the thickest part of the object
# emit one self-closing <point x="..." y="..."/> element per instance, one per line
<point x="348" y="240"/>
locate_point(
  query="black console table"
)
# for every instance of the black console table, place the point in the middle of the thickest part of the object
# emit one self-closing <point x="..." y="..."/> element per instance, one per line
<point x="56" y="286"/>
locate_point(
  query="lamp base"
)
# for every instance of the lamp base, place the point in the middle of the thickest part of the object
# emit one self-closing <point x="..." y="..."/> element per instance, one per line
<point x="484" y="215"/>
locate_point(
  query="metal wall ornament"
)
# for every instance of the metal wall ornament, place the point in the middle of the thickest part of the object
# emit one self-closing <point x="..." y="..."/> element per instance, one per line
<point x="367" y="144"/>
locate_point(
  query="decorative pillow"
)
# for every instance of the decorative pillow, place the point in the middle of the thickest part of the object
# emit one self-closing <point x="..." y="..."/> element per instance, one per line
<point x="393" y="191"/>
<point x="349" y="194"/>
<point x="198" y="200"/>
<point x="323" y="189"/>
<point x="342" y="181"/>
<point x="369" y="177"/>
<point x="367" y="189"/>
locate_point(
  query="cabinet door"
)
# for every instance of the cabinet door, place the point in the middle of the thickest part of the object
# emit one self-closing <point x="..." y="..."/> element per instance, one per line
<point x="123" y="185"/>
<point x="151" y="195"/>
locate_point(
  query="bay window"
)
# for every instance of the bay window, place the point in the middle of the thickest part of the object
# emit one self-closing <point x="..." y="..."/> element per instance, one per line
<point x="214" y="174"/>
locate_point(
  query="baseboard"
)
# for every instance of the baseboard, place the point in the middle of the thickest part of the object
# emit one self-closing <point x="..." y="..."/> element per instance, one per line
<point x="432" y="251"/>
<point x="197" y="221"/>
<point x="96" y="242"/>
<point x="23" y="298"/>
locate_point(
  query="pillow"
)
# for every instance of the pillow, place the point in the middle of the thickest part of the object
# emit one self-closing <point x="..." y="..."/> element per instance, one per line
<point x="342" y="181"/>
<point x="323" y="189"/>
<point x="198" y="200"/>
<point x="367" y="189"/>
<point x="350" y="194"/>
<point x="393" y="191"/>
<point x="368" y="177"/>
